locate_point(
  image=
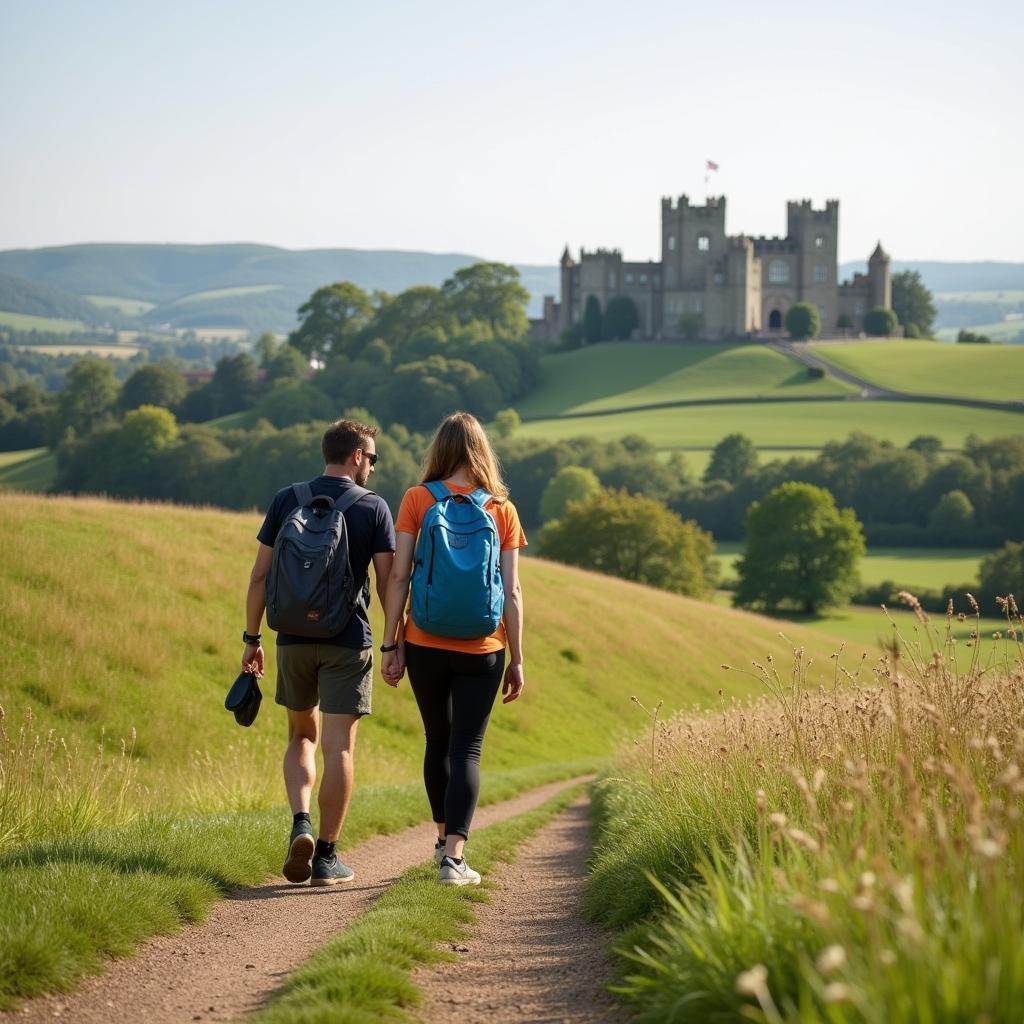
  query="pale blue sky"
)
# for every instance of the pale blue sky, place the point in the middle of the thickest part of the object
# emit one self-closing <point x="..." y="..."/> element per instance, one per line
<point x="508" y="132"/>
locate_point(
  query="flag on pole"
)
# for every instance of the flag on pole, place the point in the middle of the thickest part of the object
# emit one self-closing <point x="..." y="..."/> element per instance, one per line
<point x="712" y="166"/>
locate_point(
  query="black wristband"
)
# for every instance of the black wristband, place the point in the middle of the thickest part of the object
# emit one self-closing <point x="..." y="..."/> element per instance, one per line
<point x="251" y="638"/>
<point x="388" y="648"/>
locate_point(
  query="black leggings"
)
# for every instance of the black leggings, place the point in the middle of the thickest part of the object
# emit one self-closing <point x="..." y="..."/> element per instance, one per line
<point x="455" y="693"/>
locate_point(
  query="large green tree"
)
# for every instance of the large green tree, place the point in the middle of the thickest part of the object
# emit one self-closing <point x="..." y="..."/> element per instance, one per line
<point x="492" y="293"/>
<point x="593" y="322"/>
<point x="621" y="318"/>
<point x="571" y="483"/>
<point x="153" y="384"/>
<point x="732" y="459"/>
<point x="332" y="319"/>
<point x="912" y="302"/>
<point x="880" y="322"/>
<point x="799" y="551"/>
<point x="634" y="537"/>
<point x="89" y="395"/>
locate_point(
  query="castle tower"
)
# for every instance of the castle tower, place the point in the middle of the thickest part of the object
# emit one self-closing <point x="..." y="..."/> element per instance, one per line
<point x="880" y="278"/>
<point x="692" y="239"/>
<point x="816" y="233"/>
<point x="566" y="307"/>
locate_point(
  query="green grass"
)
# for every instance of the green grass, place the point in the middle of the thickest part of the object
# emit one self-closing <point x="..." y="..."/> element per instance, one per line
<point x="618" y="374"/>
<point x="129" y="307"/>
<point x="1001" y="330"/>
<point x="31" y="469"/>
<point x="364" y="975"/>
<point x="994" y="372"/>
<point x="66" y="904"/>
<point x="28" y="322"/>
<point x="232" y="420"/>
<point x="924" y="568"/>
<point x="119" y="616"/>
<point x="803" y="424"/>
<point x="226" y="293"/>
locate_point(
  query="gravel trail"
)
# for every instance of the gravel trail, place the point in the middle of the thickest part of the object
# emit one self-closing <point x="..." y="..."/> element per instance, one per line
<point x="227" y="965"/>
<point x="531" y="956"/>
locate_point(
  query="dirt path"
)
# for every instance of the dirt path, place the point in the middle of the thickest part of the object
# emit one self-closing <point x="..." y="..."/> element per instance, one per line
<point x="531" y="956"/>
<point x="227" y="966"/>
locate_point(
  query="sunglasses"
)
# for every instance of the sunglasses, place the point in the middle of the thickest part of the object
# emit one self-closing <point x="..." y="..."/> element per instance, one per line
<point x="371" y="456"/>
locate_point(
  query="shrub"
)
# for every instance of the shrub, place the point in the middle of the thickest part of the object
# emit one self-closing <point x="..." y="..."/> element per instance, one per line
<point x="593" y="322"/>
<point x="571" y="483"/>
<point x="880" y="322"/>
<point x="621" y="318"/>
<point x="845" y="322"/>
<point x="802" y="321"/>
<point x="965" y="337"/>
<point x="952" y="518"/>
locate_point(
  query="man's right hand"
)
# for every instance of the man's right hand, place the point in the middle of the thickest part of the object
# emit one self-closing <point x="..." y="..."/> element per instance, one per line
<point x="252" y="659"/>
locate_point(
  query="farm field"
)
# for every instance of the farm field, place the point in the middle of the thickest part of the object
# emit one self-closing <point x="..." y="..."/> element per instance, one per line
<point x="31" y="469"/>
<point x="226" y="293"/>
<point x="104" y="605"/>
<point x="103" y="351"/>
<point x="925" y="568"/>
<point x="28" y="322"/>
<point x="924" y="367"/>
<point x="129" y="307"/>
<point x="617" y="374"/>
<point x="801" y="424"/>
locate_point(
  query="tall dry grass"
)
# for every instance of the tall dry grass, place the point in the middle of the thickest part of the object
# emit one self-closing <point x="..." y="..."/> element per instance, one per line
<point x="850" y="847"/>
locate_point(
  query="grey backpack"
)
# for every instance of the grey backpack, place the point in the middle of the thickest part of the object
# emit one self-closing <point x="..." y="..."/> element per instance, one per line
<point x="311" y="590"/>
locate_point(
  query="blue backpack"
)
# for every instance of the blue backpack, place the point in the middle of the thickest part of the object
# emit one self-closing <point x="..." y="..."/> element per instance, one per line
<point x="456" y="582"/>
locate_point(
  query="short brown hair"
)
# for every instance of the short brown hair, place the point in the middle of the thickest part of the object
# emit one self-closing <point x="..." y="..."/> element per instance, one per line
<point x="342" y="438"/>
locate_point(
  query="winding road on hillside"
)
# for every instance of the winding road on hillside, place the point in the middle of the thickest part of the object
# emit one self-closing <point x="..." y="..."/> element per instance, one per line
<point x="531" y="955"/>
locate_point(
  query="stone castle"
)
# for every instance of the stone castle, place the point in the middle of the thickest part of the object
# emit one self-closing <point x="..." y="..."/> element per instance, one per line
<point x="712" y="285"/>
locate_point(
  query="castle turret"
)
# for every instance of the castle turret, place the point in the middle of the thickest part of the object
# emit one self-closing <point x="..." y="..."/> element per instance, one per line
<point x="568" y="297"/>
<point x="880" y="278"/>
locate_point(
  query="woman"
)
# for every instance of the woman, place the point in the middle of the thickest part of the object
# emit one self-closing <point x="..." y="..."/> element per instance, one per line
<point x="455" y="676"/>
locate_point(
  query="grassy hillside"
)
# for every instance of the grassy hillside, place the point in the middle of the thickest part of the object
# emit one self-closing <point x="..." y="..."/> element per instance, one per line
<point x="618" y="374"/>
<point x="930" y="368"/>
<point x="998" y="330"/>
<point x="32" y="469"/>
<point x="129" y="307"/>
<point x="116" y="617"/>
<point x="796" y="424"/>
<point x="29" y="322"/>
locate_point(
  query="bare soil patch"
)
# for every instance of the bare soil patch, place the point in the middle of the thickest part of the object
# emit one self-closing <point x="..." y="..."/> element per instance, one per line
<point x="531" y="956"/>
<point x="229" y="964"/>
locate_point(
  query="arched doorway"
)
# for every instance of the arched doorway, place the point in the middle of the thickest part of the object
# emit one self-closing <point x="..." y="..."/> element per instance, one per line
<point x="775" y="320"/>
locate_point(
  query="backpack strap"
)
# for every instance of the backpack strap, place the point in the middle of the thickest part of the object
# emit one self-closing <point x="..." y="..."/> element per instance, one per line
<point x="303" y="493"/>
<point x="350" y="497"/>
<point x="480" y="496"/>
<point x="437" y="489"/>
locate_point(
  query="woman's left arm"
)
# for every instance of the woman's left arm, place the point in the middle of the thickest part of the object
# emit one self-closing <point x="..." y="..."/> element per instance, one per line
<point x="514" y="681"/>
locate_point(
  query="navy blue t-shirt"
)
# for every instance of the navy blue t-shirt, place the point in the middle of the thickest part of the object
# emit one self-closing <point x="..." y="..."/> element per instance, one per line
<point x="371" y="531"/>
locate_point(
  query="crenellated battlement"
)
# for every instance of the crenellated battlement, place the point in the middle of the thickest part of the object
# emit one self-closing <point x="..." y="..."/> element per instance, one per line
<point x="713" y="208"/>
<point x="803" y="210"/>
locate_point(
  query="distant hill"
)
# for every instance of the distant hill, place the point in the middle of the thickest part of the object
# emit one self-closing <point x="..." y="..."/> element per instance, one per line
<point x="261" y="286"/>
<point x="35" y="298"/>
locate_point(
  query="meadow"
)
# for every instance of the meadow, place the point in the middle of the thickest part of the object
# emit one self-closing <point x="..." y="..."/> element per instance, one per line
<point x="994" y="372"/>
<point x="129" y="307"/>
<point x="31" y="469"/>
<point x="847" y="848"/>
<point x="90" y="349"/>
<point x="225" y="293"/>
<point x="999" y="330"/>
<point x="798" y="424"/>
<point x="52" y="324"/>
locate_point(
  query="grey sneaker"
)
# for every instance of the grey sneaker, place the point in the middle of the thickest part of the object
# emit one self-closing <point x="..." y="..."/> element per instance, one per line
<point x="438" y="852"/>
<point x="454" y="873"/>
<point x="330" y="871"/>
<point x="300" y="853"/>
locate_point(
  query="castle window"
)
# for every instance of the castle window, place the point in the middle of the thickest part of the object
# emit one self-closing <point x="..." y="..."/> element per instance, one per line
<point x="657" y="280"/>
<point x="611" y="278"/>
<point x="629" y="279"/>
<point x="643" y="279"/>
<point x="703" y="242"/>
<point x="698" y="305"/>
<point x="719" y="277"/>
<point x="858" y="309"/>
<point x="820" y="272"/>
<point x="819" y="242"/>
<point x="671" y="243"/>
<point x="778" y="272"/>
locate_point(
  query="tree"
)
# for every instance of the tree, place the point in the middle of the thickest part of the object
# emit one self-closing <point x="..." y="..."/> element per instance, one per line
<point x="234" y="384"/>
<point x="952" y="518"/>
<point x="802" y="321"/>
<point x="88" y="396"/>
<point x="799" y="550"/>
<point x="332" y="319"/>
<point x="912" y="302"/>
<point x="153" y="384"/>
<point x="1002" y="574"/>
<point x="415" y="311"/>
<point x="264" y="348"/>
<point x="634" y="537"/>
<point x="732" y="459"/>
<point x="286" y="363"/>
<point x="593" y="322"/>
<point x="492" y="293"/>
<point x="845" y="322"/>
<point x="879" y="322"/>
<point x="506" y="423"/>
<point x="970" y="338"/>
<point x="927" y="444"/>
<point x="571" y="483"/>
<point x="621" y="318"/>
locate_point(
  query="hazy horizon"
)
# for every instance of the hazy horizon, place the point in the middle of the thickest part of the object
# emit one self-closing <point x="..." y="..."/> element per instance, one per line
<point x="510" y="136"/>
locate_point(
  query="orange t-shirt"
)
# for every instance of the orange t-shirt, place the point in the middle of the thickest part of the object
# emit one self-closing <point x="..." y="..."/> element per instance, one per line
<point x="510" y="532"/>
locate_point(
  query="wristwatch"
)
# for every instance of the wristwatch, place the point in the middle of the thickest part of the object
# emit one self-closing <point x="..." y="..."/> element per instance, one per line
<point x="251" y="638"/>
<point x="388" y="648"/>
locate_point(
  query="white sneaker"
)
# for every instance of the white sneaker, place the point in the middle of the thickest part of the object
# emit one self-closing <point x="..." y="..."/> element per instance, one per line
<point x="439" y="852"/>
<point x="453" y="873"/>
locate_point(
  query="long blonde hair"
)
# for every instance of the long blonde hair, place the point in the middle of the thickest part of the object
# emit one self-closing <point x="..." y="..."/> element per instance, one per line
<point x="460" y="442"/>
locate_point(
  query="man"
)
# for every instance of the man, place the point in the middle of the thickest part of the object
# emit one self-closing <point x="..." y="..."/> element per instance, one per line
<point x="324" y="683"/>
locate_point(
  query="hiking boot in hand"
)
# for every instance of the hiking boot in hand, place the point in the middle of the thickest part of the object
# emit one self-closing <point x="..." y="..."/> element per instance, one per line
<point x="330" y="871"/>
<point x="457" y="872"/>
<point x="300" y="853"/>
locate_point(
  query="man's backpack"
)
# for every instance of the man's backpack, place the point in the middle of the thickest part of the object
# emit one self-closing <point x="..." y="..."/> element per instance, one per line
<point x="311" y="590"/>
<point x="456" y="584"/>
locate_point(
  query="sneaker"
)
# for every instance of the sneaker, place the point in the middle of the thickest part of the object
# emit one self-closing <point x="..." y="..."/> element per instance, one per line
<point x="330" y="871"/>
<point x="454" y="873"/>
<point x="438" y="852"/>
<point x="300" y="853"/>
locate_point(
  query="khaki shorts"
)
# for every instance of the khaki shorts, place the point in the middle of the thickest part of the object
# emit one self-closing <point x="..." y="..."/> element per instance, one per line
<point x="339" y="679"/>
